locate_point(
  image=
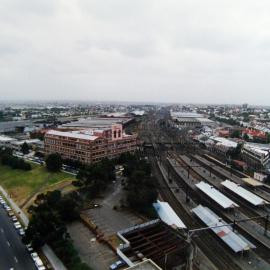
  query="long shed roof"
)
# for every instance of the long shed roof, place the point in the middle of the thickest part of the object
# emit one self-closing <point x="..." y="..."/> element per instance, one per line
<point x="167" y="214"/>
<point x="235" y="241"/>
<point x="243" y="193"/>
<point x="216" y="195"/>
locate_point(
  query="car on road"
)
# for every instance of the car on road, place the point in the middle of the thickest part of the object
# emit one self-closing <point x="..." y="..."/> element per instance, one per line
<point x="17" y="225"/>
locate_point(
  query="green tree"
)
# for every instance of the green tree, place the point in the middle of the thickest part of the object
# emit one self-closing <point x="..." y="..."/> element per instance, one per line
<point x="245" y="137"/>
<point x="235" y="134"/>
<point x="54" y="162"/>
<point x="25" y="148"/>
<point x="95" y="178"/>
<point x="47" y="224"/>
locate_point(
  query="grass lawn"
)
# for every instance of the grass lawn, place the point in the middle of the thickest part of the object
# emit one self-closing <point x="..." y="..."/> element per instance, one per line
<point x="22" y="185"/>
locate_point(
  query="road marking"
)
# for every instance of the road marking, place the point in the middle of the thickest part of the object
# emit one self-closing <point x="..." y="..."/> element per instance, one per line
<point x="16" y="260"/>
<point x="8" y="243"/>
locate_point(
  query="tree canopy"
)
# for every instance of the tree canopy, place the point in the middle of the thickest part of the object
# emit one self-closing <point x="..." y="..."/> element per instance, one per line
<point x="47" y="225"/>
<point x="54" y="162"/>
<point x="94" y="178"/>
<point x="25" y="148"/>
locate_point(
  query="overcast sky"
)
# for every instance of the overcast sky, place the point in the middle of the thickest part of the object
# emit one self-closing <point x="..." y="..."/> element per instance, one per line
<point x="136" y="50"/>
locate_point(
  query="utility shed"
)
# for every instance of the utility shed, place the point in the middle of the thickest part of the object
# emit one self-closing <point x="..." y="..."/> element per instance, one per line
<point x="167" y="215"/>
<point x="245" y="194"/>
<point x="216" y="195"/>
<point x="235" y="241"/>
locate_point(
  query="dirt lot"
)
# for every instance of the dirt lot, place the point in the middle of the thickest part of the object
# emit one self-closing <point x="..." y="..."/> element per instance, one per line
<point x="97" y="255"/>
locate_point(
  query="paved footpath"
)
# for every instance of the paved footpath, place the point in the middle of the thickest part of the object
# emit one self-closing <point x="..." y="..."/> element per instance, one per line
<point x="48" y="252"/>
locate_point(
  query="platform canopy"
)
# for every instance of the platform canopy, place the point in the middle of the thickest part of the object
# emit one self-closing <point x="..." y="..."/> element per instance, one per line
<point x="252" y="182"/>
<point x="167" y="215"/>
<point x="243" y="193"/>
<point x="216" y="195"/>
<point x="234" y="240"/>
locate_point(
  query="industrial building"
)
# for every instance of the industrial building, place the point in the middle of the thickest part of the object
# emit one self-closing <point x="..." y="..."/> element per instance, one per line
<point x="190" y="120"/>
<point x="256" y="155"/>
<point x="90" y="145"/>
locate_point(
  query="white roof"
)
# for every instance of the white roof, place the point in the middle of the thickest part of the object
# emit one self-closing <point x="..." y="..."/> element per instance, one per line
<point x="235" y="241"/>
<point x="167" y="214"/>
<point x="245" y="194"/>
<point x="224" y="141"/>
<point x="72" y="135"/>
<point x="6" y="139"/>
<point x="215" y="195"/>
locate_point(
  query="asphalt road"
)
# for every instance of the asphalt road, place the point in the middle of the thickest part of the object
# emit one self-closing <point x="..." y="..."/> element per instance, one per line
<point x="13" y="253"/>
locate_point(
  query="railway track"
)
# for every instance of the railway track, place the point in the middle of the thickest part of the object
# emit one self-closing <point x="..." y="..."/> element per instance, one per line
<point x="263" y="246"/>
<point x="208" y="243"/>
<point x="247" y="209"/>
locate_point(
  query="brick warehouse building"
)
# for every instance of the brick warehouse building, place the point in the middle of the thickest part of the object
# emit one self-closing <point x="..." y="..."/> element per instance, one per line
<point x="90" y="145"/>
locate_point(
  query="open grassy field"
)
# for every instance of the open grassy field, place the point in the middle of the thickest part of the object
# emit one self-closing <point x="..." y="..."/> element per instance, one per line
<point x="22" y="185"/>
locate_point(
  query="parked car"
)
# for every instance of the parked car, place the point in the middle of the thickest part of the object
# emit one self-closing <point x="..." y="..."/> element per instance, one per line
<point x="21" y="232"/>
<point x="14" y="219"/>
<point x="29" y="248"/>
<point x="17" y="225"/>
<point x="117" y="265"/>
<point x="34" y="255"/>
<point x="11" y="213"/>
<point x="8" y="208"/>
<point x="38" y="262"/>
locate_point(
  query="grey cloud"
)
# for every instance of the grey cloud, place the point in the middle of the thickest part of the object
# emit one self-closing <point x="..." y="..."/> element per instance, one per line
<point x="190" y="50"/>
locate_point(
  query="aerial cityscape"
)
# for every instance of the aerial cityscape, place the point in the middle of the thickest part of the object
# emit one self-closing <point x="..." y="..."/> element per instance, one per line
<point x="134" y="135"/>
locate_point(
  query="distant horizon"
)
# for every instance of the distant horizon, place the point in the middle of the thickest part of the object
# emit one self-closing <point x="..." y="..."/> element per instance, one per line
<point x="39" y="101"/>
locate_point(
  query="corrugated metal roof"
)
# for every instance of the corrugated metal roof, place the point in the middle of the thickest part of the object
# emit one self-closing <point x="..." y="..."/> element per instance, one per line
<point x="243" y="193"/>
<point x="167" y="214"/>
<point x="216" y="195"/>
<point x="234" y="240"/>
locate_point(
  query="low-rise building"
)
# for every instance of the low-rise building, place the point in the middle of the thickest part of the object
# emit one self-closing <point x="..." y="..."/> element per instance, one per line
<point x="90" y="145"/>
<point x="6" y="141"/>
<point x="256" y="155"/>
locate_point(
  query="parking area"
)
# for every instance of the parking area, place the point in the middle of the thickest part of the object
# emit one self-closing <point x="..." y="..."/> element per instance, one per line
<point x="97" y="255"/>
<point x="109" y="219"/>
